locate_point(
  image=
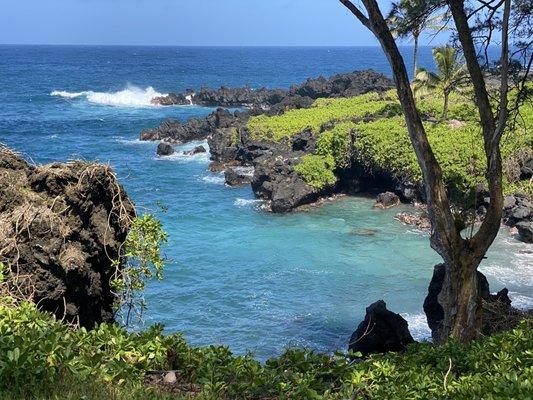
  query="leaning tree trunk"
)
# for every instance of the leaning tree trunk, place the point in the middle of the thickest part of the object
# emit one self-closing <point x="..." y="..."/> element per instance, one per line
<point x="460" y="297"/>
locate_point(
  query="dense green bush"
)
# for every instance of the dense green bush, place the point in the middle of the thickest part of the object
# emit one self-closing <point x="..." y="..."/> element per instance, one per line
<point x="381" y="141"/>
<point x="317" y="170"/>
<point x="42" y="358"/>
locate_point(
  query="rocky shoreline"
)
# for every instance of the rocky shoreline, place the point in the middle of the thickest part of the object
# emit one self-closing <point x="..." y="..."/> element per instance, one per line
<point x="269" y="166"/>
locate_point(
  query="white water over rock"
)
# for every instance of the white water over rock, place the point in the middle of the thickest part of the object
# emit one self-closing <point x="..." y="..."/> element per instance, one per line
<point x="132" y="96"/>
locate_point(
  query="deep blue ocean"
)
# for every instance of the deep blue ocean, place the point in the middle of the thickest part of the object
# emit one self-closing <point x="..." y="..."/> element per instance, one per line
<point x="236" y="275"/>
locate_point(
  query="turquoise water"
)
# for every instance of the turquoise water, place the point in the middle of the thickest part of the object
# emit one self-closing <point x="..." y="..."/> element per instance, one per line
<point x="236" y="275"/>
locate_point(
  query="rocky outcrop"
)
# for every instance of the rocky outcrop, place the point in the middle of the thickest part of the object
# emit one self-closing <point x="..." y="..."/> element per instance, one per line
<point x="164" y="149"/>
<point x="276" y="181"/>
<point x="174" y="131"/>
<point x="298" y="96"/>
<point x="61" y="228"/>
<point x="518" y="212"/>
<point x="343" y="85"/>
<point x="380" y="332"/>
<point x="525" y="231"/>
<point x="387" y="200"/>
<point x="434" y="311"/>
<point x="237" y="176"/>
<point x="196" y="150"/>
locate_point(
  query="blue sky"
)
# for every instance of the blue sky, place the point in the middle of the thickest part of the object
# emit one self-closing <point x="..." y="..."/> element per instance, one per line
<point x="181" y="22"/>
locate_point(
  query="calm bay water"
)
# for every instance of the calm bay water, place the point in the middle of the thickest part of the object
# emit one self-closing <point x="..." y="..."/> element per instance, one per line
<point x="237" y="275"/>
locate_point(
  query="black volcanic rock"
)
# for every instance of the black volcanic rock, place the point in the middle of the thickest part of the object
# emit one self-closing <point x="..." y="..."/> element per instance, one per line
<point x="238" y="175"/>
<point x="278" y="100"/>
<point x="276" y="181"/>
<point x="434" y="311"/>
<point x="381" y="331"/>
<point x="164" y="149"/>
<point x="60" y="238"/>
<point x="387" y="200"/>
<point x="197" y="150"/>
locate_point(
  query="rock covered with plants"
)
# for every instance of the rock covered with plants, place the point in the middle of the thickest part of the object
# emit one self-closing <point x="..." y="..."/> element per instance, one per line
<point x="62" y="226"/>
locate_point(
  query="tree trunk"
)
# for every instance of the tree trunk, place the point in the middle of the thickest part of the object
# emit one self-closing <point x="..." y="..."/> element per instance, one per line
<point x="415" y="56"/>
<point x="445" y="109"/>
<point x="460" y="299"/>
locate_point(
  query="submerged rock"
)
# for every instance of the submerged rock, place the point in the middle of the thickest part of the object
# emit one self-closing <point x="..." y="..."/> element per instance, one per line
<point x="525" y="231"/>
<point x="381" y="331"/>
<point x="61" y="228"/>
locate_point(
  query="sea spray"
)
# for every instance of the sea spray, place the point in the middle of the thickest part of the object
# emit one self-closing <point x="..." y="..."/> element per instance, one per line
<point x="132" y="96"/>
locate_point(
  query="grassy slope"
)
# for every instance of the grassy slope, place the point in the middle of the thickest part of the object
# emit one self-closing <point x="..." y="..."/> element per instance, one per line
<point x="41" y="358"/>
<point x="382" y="141"/>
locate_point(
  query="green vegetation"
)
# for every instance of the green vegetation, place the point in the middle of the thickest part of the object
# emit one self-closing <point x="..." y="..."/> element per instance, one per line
<point x="323" y="111"/>
<point x="451" y="75"/>
<point x="376" y="127"/>
<point x="41" y="358"/>
<point x="141" y="260"/>
<point x="317" y="170"/>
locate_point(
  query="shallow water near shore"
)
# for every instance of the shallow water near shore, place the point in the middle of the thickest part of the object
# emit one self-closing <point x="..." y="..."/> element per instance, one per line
<point x="236" y="275"/>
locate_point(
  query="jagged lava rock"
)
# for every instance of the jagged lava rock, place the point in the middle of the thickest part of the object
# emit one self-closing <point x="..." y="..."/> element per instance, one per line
<point x="164" y="149"/>
<point x="381" y="331"/>
<point x="61" y="227"/>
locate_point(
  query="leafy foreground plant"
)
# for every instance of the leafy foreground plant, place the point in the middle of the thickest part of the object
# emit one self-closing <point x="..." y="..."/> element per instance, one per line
<point x="40" y="358"/>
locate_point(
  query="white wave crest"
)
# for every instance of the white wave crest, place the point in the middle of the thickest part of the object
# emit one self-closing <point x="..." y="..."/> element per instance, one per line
<point x="418" y="326"/>
<point x="132" y="96"/>
<point x="245" y="202"/>
<point x="214" y="179"/>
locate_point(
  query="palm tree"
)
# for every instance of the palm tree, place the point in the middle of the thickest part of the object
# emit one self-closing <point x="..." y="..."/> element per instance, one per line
<point x="409" y="18"/>
<point x="451" y="75"/>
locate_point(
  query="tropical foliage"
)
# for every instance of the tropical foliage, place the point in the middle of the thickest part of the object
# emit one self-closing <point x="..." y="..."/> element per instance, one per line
<point x="370" y="129"/>
<point x="409" y="18"/>
<point x="40" y="358"/>
<point x="452" y="75"/>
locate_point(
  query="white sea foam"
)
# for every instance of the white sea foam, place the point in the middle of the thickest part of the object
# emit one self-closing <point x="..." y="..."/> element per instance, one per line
<point x="131" y="96"/>
<point x="214" y="179"/>
<point x="246" y="202"/>
<point x="418" y="326"/>
<point x="521" y="301"/>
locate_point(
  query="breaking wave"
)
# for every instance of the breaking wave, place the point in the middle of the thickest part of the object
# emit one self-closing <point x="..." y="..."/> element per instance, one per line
<point x="132" y="96"/>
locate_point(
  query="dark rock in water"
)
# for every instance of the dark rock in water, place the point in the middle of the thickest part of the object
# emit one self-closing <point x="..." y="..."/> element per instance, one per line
<point x="61" y="236"/>
<point x="165" y="149"/>
<point x="276" y="101"/>
<point x="194" y="129"/>
<point x="236" y="176"/>
<point x="502" y="297"/>
<point x="387" y="200"/>
<point x="177" y="99"/>
<point x="276" y="180"/>
<point x="196" y="150"/>
<point x="518" y="212"/>
<point x="525" y="231"/>
<point x="381" y="331"/>
<point x="434" y="311"/>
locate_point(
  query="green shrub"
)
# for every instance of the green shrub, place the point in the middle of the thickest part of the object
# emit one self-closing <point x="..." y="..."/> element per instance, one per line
<point x="382" y="143"/>
<point x="42" y="358"/>
<point x="317" y="170"/>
